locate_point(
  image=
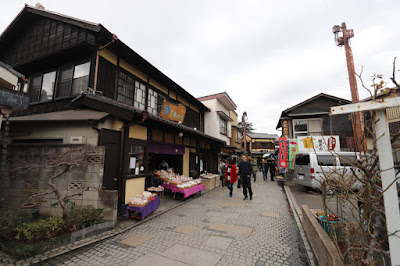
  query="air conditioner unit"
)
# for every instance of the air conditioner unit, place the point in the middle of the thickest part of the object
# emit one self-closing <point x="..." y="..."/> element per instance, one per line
<point x="77" y="140"/>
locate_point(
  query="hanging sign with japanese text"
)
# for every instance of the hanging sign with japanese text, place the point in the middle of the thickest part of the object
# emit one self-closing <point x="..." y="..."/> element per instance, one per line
<point x="173" y="112"/>
<point x="293" y="150"/>
<point x="283" y="153"/>
<point x="319" y="143"/>
<point x="285" y="129"/>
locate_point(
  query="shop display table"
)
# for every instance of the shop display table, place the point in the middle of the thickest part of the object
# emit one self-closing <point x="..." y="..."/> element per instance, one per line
<point x="168" y="186"/>
<point x="145" y="210"/>
<point x="188" y="191"/>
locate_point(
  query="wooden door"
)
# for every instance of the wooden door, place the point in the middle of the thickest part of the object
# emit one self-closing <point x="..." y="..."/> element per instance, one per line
<point x="111" y="140"/>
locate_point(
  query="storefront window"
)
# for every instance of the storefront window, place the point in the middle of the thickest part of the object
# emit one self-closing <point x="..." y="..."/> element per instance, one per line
<point x="136" y="160"/>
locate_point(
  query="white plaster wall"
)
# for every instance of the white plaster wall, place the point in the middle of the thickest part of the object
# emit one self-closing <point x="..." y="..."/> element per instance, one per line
<point x="8" y="76"/>
<point x="211" y="120"/>
<point x="58" y="130"/>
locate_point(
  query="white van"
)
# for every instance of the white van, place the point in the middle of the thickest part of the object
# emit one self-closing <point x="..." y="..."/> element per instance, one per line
<point x="311" y="168"/>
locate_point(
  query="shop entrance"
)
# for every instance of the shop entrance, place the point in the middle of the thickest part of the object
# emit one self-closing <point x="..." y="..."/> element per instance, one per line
<point x="174" y="161"/>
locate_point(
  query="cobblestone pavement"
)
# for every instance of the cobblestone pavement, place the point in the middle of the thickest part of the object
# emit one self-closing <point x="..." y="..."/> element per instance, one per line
<point x="213" y="229"/>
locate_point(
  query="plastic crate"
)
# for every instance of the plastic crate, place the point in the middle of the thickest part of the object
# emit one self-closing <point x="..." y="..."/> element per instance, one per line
<point x="325" y="224"/>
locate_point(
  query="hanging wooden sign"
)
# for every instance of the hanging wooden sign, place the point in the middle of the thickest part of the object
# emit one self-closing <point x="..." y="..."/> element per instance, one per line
<point x="173" y="112"/>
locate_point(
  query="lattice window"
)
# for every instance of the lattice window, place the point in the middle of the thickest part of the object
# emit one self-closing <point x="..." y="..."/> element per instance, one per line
<point x="93" y="158"/>
<point x="75" y="185"/>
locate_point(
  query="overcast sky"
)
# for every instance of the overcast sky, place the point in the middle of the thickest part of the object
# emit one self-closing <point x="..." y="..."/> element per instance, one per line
<point x="267" y="55"/>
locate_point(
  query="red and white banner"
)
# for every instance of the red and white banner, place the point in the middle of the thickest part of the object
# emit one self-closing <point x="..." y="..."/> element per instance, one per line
<point x="283" y="153"/>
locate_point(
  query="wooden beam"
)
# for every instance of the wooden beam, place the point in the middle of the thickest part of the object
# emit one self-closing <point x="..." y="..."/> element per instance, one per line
<point x="365" y="106"/>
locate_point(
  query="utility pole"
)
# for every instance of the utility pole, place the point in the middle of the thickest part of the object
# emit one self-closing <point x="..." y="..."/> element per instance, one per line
<point x="244" y="118"/>
<point x="343" y="40"/>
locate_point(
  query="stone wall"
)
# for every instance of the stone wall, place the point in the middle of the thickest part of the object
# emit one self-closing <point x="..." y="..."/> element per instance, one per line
<point x="14" y="99"/>
<point x="87" y="176"/>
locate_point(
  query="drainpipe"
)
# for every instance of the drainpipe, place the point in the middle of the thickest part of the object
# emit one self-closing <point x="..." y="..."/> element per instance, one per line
<point x="114" y="38"/>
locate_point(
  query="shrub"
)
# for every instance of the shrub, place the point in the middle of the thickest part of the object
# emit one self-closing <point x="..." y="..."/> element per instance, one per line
<point x="10" y="219"/>
<point x="40" y="229"/>
<point x="84" y="216"/>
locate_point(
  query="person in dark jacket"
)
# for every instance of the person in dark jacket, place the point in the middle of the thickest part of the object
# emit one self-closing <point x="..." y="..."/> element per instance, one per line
<point x="222" y="169"/>
<point x="272" y="169"/>
<point x="245" y="171"/>
<point x="265" y="167"/>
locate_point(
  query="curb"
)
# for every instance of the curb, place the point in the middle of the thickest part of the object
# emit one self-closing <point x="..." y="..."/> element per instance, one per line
<point x="298" y="217"/>
<point x="96" y="238"/>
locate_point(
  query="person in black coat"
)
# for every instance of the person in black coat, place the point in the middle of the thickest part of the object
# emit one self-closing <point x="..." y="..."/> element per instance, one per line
<point x="245" y="171"/>
<point x="272" y="169"/>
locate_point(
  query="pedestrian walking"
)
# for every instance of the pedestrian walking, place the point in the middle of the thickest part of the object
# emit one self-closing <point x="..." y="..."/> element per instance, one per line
<point x="254" y="166"/>
<point x="264" y="167"/>
<point x="245" y="171"/>
<point x="230" y="176"/>
<point x="222" y="170"/>
<point x="272" y="169"/>
<point x="237" y="172"/>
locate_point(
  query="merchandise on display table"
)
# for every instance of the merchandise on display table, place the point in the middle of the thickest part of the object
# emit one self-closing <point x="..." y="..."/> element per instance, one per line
<point x="155" y="189"/>
<point x="145" y="210"/>
<point x="189" y="191"/>
<point x="209" y="176"/>
<point x="171" y="177"/>
<point x="142" y="200"/>
<point x="189" y="184"/>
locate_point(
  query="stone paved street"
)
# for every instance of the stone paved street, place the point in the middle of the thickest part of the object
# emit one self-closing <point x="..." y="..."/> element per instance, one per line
<point x="213" y="229"/>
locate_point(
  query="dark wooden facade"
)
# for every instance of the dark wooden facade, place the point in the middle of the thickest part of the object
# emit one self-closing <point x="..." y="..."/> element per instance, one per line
<point x="51" y="49"/>
<point x="318" y="107"/>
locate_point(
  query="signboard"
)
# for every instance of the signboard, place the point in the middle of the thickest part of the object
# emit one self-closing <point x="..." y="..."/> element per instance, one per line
<point x="293" y="150"/>
<point x="285" y="128"/>
<point x="283" y="153"/>
<point x="319" y="143"/>
<point x="173" y="112"/>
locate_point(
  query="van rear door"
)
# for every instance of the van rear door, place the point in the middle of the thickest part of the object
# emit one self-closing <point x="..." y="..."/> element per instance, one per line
<point x="302" y="168"/>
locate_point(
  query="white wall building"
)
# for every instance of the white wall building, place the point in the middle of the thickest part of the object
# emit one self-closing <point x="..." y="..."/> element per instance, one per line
<point x="217" y="122"/>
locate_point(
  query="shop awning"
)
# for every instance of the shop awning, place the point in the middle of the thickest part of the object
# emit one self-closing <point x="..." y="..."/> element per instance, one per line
<point x="70" y="115"/>
<point x="161" y="148"/>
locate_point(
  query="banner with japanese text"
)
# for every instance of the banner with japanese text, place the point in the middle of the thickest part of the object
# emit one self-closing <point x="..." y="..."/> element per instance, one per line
<point x="173" y="112"/>
<point x="319" y="143"/>
<point x="293" y="150"/>
<point x="283" y="153"/>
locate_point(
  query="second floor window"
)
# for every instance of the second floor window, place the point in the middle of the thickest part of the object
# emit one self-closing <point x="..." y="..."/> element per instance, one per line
<point x="310" y="127"/>
<point x="152" y="102"/>
<point x="67" y="80"/>
<point x="239" y="136"/>
<point x="126" y="88"/>
<point x="223" y="126"/>
<point x="140" y="95"/>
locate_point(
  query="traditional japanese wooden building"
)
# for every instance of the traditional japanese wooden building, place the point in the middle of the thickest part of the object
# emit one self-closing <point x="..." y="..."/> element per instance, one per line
<point x="87" y="86"/>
